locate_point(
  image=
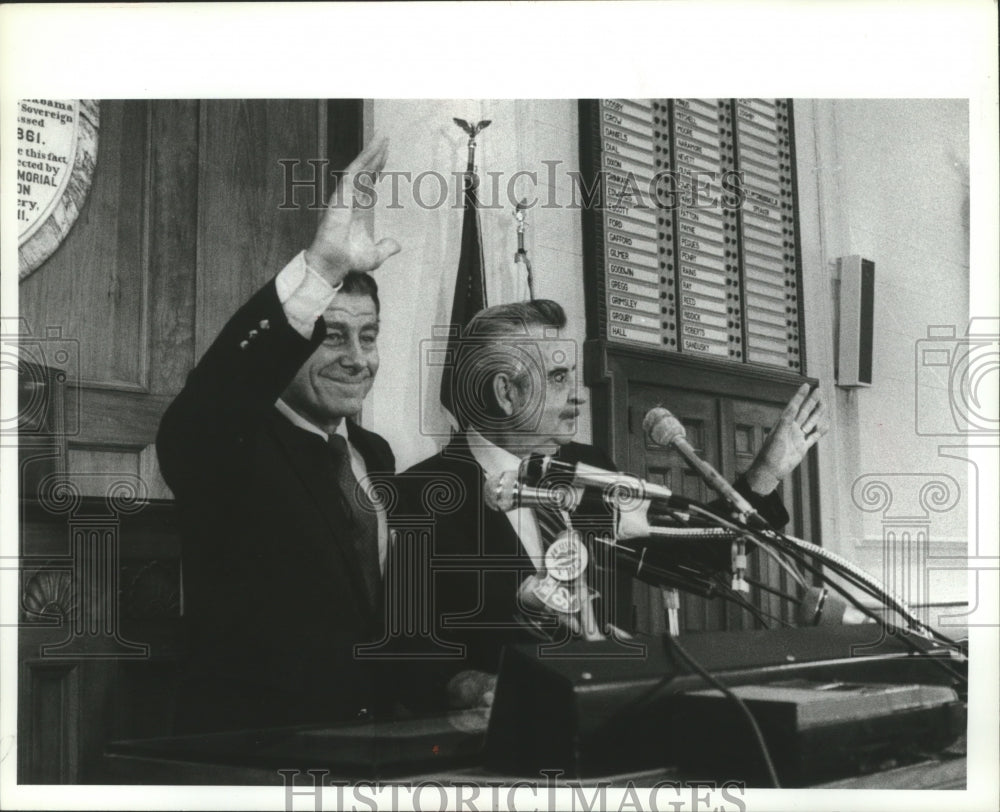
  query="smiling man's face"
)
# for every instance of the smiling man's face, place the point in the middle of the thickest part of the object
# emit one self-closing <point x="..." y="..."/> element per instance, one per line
<point x="333" y="382"/>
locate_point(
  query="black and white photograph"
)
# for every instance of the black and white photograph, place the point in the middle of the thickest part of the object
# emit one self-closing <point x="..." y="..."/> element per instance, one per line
<point x="479" y="406"/>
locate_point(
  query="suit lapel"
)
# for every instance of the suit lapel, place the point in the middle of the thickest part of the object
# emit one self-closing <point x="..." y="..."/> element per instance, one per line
<point x="306" y="458"/>
<point x="376" y="461"/>
<point x="499" y="538"/>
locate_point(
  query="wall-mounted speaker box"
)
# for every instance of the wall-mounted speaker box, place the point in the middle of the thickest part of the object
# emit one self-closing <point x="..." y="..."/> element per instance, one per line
<point x="857" y="312"/>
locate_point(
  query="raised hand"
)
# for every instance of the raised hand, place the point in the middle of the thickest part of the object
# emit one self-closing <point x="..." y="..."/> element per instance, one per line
<point x="342" y="241"/>
<point x="803" y="422"/>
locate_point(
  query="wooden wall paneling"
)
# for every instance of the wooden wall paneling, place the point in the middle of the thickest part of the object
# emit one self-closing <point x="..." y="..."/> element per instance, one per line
<point x="610" y="372"/>
<point x="119" y="418"/>
<point x="698" y="415"/>
<point x="344" y="131"/>
<point x="99" y="691"/>
<point x="49" y="702"/>
<point x="244" y="239"/>
<point x="70" y="707"/>
<point x="93" y="287"/>
<point x="173" y="243"/>
<point x="84" y="462"/>
<point x="797" y="492"/>
<point x="117" y="431"/>
<point x="67" y="707"/>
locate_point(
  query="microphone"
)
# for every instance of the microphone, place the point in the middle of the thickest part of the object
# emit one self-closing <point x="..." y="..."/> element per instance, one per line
<point x="663" y="429"/>
<point x="559" y="593"/>
<point x="820" y="608"/>
<point x="537" y="468"/>
<point x="506" y="491"/>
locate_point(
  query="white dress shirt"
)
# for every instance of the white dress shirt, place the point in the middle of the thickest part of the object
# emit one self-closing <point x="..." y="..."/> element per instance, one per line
<point x="495" y="461"/>
<point x="304" y="295"/>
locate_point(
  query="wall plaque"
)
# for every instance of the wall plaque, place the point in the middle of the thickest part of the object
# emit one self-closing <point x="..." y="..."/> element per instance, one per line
<point x="56" y="155"/>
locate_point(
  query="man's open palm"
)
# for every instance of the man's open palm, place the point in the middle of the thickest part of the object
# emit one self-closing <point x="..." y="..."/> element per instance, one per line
<point x="342" y="241"/>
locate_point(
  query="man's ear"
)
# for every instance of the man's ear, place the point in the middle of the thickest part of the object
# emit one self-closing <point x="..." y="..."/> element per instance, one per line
<point x="504" y="392"/>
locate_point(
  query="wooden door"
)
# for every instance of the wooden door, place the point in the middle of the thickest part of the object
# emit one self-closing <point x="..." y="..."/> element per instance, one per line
<point x="727" y="432"/>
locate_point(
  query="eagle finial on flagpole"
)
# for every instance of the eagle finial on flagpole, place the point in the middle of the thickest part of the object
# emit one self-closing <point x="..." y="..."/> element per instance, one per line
<point x="472" y="130"/>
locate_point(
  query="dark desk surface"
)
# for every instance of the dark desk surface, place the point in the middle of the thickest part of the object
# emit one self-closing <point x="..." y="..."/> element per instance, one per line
<point x="445" y="749"/>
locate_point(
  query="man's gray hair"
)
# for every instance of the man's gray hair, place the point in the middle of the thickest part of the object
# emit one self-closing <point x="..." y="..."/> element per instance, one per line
<point x="516" y="318"/>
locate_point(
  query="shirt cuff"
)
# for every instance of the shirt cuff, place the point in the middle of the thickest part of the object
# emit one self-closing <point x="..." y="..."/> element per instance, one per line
<point x="303" y="294"/>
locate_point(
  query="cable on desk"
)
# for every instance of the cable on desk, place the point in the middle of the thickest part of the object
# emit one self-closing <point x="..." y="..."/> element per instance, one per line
<point x="765" y="753"/>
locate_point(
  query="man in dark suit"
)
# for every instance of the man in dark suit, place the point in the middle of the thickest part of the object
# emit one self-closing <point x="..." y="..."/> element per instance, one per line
<point x="282" y="548"/>
<point x="515" y="392"/>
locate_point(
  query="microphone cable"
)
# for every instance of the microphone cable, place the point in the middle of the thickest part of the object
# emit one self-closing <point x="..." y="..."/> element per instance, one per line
<point x="798" y="550"/>
<point x="792" y="550"/>
<point x="847" y="595"/>
<point x="730" y="594"/>
<point x="693" y="665"/>
<point x="740" y="704"/>
<point x="844" y="567"/>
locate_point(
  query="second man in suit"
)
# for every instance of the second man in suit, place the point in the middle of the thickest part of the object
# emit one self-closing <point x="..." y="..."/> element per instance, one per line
<point x="516" y="394"/>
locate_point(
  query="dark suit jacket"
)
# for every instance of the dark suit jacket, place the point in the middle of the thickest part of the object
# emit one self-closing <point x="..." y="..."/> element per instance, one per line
<point x="273" y="594"/>
<point x="475" y="563"/>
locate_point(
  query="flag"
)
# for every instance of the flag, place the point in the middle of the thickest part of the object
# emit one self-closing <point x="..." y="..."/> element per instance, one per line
<point x="520" y="273"/>
<point x="470" y="282"/>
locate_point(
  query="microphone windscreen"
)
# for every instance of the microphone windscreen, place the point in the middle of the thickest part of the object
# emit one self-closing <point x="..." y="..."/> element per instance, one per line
<point x="820" y="608"/>
<point x="500" y="491"/>
<point x="661" y="427"/>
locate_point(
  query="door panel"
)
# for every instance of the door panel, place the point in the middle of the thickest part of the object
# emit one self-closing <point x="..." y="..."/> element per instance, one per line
<point x="727" y="433"/>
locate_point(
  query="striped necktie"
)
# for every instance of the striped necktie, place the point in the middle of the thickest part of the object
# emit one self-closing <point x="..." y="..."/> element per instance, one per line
<point x="551" y="525"/>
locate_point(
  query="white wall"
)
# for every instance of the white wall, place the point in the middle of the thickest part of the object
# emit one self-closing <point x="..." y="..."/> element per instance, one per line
<point x="416" y="287"/>
<point x="889" y="180"/>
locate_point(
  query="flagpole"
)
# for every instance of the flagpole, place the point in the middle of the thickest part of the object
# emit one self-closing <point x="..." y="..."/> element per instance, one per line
<point x="520" y="213"/>
<point x="470" y="281"/>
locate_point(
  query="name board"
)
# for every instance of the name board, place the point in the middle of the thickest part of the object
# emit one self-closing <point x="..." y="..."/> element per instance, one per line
<point x="696" y="238"/>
